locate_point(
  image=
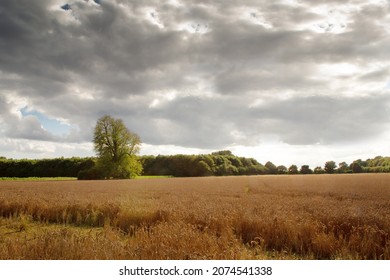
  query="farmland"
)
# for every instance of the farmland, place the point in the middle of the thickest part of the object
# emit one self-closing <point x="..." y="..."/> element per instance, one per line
<point x="242" y="217"/>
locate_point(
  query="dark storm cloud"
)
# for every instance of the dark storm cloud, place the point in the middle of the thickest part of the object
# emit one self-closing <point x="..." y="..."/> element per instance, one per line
<point x="190" y="74"/>
<point x="27" y="48"/>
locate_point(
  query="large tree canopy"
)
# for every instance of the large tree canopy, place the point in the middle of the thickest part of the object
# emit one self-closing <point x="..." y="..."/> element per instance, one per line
<point x="116" y="147"/>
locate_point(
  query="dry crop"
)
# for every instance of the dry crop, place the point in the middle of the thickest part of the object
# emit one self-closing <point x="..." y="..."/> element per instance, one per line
<point x="248" y="217"/>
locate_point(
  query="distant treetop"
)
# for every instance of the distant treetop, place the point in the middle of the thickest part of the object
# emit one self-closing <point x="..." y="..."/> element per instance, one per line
<point x="223" y="153"/>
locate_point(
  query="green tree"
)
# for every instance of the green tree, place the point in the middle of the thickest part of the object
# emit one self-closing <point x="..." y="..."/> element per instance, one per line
<point x="272" y="169"/>
<point x="293" y="169"/>
<point x="319" y="170"/>
<point x="305" y="169"/>
<point x="356" y="167"/>
<point x="343" y="167"/>
<point x="222" y="153"/>
<point x="330" y="166"/>
<point x="201" y="168"/>
<point x="281" y="169"/>
<point x="116" y="147"/>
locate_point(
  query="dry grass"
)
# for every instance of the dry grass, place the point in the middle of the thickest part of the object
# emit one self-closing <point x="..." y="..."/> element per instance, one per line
<point x="249" y="217"/>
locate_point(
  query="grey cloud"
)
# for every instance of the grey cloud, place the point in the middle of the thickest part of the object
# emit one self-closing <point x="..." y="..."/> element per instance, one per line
<point x="29" y="128"/>
<point x="21" y="20"/>
<point x="381" y="74"/>
<point x="123" y="62"/>
<point x="211" y="123"/>
<point x="107" y="49"/>
<point x="191" y="122"/>
<point x="277" y="77"/>
<point x="21" y="127"/>
<point x="325" y="120"/>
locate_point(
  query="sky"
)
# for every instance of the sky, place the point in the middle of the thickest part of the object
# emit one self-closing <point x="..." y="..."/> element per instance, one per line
<point x="288" y="81"/>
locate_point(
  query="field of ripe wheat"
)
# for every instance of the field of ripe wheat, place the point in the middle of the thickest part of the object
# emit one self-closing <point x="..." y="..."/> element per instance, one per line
<point x="248" y="217"/>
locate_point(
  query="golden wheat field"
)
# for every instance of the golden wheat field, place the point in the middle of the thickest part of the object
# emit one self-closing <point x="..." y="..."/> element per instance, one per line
<point x="248" y="217"/>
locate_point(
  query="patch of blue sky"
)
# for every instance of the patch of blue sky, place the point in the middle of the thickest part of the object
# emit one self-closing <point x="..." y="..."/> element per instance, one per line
<point x="66" y="7"/>
<point x="54" y="126"/>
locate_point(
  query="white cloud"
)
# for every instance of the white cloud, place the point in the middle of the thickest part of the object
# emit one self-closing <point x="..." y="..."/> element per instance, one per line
<point x="21" y="148"/>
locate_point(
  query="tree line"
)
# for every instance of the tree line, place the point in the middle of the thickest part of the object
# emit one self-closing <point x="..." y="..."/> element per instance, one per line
<point x="378" y="164"/>
<point x="117" y="148"/>
<point x="222" y="163"/>
<point x="57" y="167"/>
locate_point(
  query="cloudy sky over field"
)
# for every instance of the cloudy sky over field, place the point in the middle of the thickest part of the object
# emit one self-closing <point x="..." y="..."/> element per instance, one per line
<point x="291" y="81"/>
